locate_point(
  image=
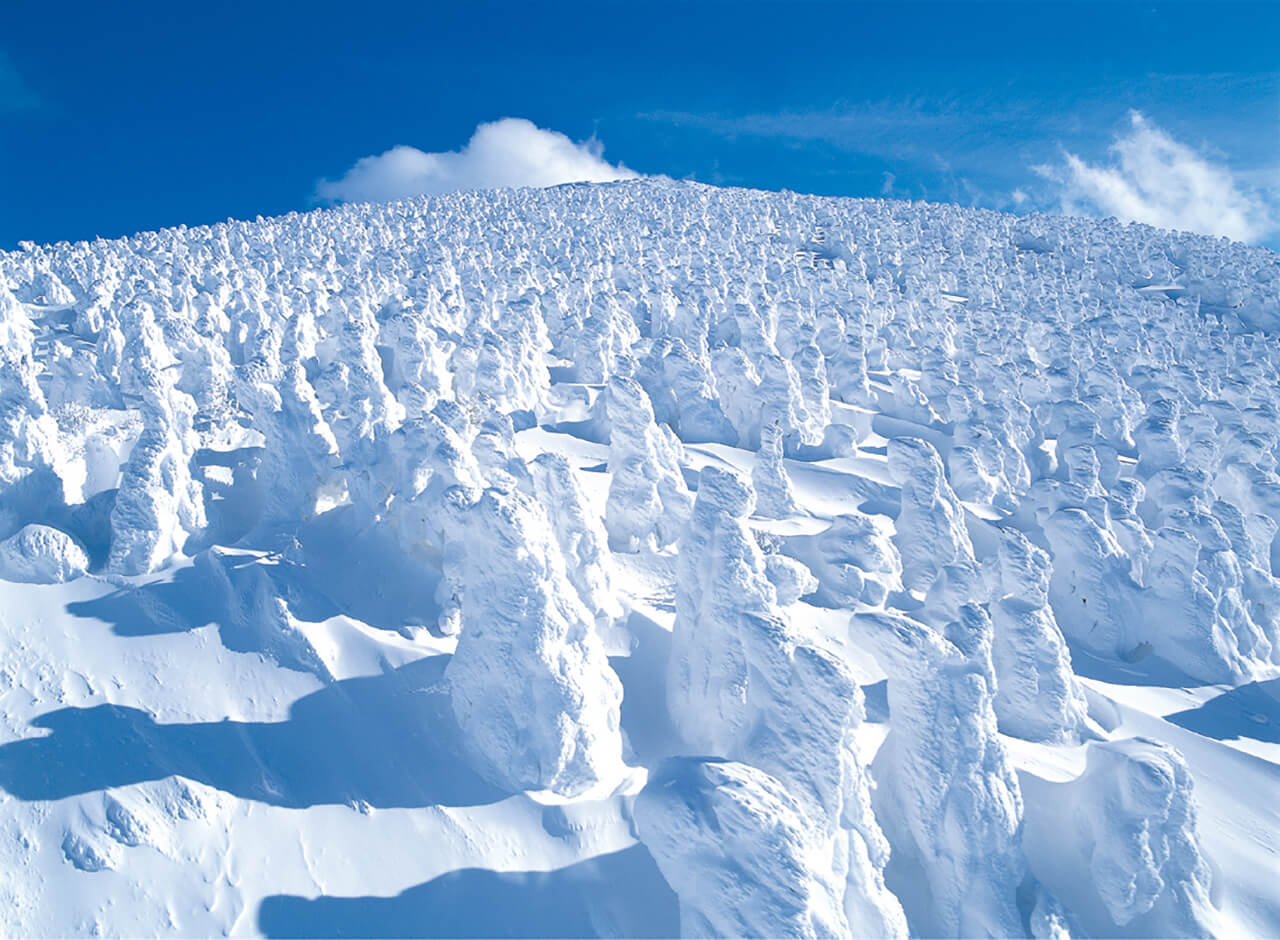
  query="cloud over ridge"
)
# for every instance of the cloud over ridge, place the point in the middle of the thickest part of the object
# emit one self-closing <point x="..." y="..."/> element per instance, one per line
<point x="509" y="152"/>
<point x="1162" y="182"/>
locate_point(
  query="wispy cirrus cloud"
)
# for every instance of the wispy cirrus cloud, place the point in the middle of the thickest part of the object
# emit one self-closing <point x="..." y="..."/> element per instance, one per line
<point x="898" y="126"/>
<point x="509" y="152"/>
<point x="15" y="95"/>
<point x="966" y="150"/>
<point x="1153" y="178"/>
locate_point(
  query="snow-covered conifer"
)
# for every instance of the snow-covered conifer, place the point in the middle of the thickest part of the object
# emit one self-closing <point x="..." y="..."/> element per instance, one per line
<point x="947" y="796"/>
<point x="1118" y="845"/>
<point x="1037" y="694"/>
<point x="649" y="502"/>
<point x="530" y="683"/>
<point x="931" y="529"/>
<point x="775" y="496"/>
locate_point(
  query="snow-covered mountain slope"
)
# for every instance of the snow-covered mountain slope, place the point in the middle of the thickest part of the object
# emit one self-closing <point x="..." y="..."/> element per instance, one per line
<point x="635" y="560"/>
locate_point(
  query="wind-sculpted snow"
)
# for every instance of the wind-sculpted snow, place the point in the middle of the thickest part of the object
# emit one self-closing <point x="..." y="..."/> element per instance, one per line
<point x="854" y="559"/>
<point x="740" y="852"/>
<point x="41" y="555"/>
<point x="874" y="515"/>
<point x="530" y="685"/>
<point x="947" y="796"/>
<point x="1119" y="844"/>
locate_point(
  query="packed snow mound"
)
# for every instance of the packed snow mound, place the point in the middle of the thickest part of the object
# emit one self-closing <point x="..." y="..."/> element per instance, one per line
<point x="39" y="554"/>
<point x="873" y="535"/>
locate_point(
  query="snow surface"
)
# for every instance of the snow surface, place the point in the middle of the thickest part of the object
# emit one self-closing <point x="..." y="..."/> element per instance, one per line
<point x="640" y="559"/>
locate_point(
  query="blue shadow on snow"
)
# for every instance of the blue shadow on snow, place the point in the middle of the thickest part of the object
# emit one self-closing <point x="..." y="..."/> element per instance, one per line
<point x="388" y="740"/>
<point x="617" y="895"/>
<point x="1250" y="711"/>
<point x="332" y="567"/>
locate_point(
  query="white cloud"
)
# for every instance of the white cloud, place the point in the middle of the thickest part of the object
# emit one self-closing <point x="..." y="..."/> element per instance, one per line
<point x="1155" y="179"/>
<point x="509" y="152"/>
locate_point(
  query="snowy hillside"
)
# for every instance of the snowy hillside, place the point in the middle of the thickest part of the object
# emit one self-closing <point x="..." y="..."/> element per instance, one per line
<point x="640" y="559"/>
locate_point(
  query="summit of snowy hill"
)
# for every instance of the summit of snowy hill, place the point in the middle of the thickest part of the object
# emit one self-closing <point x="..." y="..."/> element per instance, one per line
<point x="640" y="559"/>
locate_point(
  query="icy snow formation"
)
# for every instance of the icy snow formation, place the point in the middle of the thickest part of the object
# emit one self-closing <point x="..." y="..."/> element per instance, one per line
<point x="876" y="534"/>
<point x="734" y="835"/>
<point x="1128" y="861"/>
<point x="41" y="555"/>
<point x="530" y="684"/>
<point x="947" y="796"/>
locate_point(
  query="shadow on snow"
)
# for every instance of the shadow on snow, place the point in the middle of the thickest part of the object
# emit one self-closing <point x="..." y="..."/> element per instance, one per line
<point x="388" y="740"/>
<point x="617" y="895"/>
<point x="1250" y="711"/>
<point x="332" y="566"/>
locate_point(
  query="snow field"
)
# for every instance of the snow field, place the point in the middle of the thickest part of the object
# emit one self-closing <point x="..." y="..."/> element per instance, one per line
<point x="640" y="559"/>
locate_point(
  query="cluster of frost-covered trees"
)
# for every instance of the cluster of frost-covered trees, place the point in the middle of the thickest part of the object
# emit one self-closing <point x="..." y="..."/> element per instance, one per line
<point x="1078" y="434"/>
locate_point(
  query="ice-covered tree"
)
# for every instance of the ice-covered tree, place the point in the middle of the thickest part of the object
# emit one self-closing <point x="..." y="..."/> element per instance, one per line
<point x="530" y="684"/>
<point x="1037" y="695"/>
<point x="742" y="686"/>
<point x="649" y="502"/>
<point x="775" y="496"/>
<point x="738" y="851"/>
<point x="947" y="796"/>
<point x="931" y="528"/>
<point x="1118" y="845"/>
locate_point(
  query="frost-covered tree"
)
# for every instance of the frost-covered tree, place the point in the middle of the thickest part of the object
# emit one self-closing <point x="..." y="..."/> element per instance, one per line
<point x="28" y="434"/>
<point x="530" y="684"/>
<point x="649" y="502"/>
<point x="931" y="529"/>
<point x="947" y="796"/>
<point x="159" y="504"/>
<point x="1118" y="845"/>
<point x="1037" y="694"/>
<point x="579" y="534"/>
<point x="741" y="686"/>
<point x="738" y="851"/>
<point x="775" y="496"/>
<point x="300" y="453"/>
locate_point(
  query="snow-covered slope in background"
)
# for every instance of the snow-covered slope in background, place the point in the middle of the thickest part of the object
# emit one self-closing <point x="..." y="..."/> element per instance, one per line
<point x="640" y="558"/>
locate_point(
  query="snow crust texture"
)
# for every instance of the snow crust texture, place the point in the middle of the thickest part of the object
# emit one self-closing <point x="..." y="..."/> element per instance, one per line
<point x="665" y="559"/>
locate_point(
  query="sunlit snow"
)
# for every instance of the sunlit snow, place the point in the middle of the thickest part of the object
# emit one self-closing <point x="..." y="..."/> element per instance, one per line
<point x="640" y="559"/>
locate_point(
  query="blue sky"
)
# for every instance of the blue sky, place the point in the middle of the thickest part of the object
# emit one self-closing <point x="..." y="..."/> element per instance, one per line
<point x="127" y="116"/>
